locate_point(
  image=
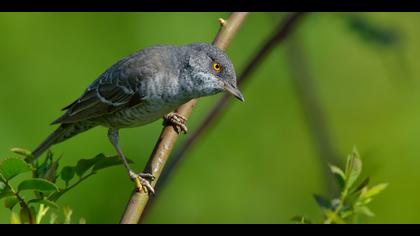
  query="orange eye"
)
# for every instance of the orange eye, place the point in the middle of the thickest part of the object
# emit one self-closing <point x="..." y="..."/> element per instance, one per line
<point x="217" y="66"/>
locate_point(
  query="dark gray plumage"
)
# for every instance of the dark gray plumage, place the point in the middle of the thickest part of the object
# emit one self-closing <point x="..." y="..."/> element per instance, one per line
<point x="144" y="87"/>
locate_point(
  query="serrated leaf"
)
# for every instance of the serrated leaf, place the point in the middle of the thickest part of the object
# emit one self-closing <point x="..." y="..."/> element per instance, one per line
<point x="10" y="202"/>
<point x="108" y="162"/>
<point x="323" y="202"/>
<point x="353" y="168"/>
<point x="37" y="184"/>
<point x="45" y="202"/>
<point x="14" y="218"/>
<point x="67" y="173"/>
<point x="373" y="191"/>
<point x="84" y="165"/>
<point x="11" y="167"/>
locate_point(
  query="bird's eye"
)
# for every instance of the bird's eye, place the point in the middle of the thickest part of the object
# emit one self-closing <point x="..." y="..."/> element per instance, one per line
<point x="217" y="66"/>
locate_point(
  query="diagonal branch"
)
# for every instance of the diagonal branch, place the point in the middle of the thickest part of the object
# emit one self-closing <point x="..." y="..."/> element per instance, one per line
<point x="281" y="32"/>
<point x="168" y="136"/>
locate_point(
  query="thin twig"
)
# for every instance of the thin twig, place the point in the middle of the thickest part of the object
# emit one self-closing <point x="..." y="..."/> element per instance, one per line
<point x="168" y="136"/>
<point x="280" y="33"/>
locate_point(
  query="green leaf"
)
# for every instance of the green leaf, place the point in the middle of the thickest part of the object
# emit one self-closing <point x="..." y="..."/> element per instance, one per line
<point x="37" y="184"/>
<point x="108" y="162"/>
<point x="353" y="168"/>
<point x="371" y="192"/>
<point x="84" y="165"/>
<point x="11" y="167"/>
<point x="45" y="202"/>
<point x="336" y="170"/>
<point x="364" y="210"/>
<point x="345" y="213"/>
<point x="67" y="173"/>
<point x="10" y="202"/>
<point x="323" y="202"/>
<point x="22" y="152"/>
<point x="362" y="185"/>
<point x="339" y="176"/>
<point x="48" y="168"/>
<point x="5" y="193"/>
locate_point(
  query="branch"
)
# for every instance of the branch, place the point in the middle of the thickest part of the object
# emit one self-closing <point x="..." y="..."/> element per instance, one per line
<point x="168" y="136"/>
<point x="281" y="32"/>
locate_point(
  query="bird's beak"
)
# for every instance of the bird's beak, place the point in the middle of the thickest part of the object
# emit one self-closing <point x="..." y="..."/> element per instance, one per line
<point x="234" y="91"/>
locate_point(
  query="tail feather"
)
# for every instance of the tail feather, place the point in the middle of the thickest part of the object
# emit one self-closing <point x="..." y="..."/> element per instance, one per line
<point x="64" y="132"/>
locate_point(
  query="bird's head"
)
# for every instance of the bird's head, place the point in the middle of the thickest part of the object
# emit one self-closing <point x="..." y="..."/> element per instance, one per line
<point x="212" y="71"/>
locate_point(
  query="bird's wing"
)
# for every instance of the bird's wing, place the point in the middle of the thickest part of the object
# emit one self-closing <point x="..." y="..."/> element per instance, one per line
<point x="116" y="89"/>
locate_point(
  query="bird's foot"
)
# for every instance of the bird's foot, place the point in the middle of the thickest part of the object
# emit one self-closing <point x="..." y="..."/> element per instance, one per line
<point x="142" y="181"/>
<point x="177" y="121"/>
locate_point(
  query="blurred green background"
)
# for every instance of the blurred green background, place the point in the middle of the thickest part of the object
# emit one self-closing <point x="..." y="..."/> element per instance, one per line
<point x="260" y="163"/>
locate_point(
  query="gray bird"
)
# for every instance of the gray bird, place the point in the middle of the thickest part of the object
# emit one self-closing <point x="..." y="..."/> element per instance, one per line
<point x="140" y="89"/>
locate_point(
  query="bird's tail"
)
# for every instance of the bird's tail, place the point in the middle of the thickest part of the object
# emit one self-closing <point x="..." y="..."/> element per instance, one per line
<point x="65" y="131"/>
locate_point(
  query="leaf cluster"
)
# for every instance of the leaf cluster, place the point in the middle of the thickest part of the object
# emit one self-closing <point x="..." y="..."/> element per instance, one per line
<point x="36" y="196"/>
<point x="352" y="203"/>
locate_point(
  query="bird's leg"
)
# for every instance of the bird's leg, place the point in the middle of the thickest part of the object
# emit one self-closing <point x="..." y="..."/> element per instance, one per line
<point x="177" y="121"/>
<point x="141" y="180"/>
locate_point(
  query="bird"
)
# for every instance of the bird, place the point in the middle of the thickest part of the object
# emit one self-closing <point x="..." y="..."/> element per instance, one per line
<point x="141" y="88"/>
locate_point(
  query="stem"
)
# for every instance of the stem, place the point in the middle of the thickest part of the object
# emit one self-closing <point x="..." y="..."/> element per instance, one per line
<point x="168" y="136"/>
<point x="22" y="202"/>
<point x="340" y="206"/>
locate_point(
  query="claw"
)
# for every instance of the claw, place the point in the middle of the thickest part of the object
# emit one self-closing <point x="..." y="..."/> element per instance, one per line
<point x="147" y="176"/>
<point x="177" y="121"/>
<point x="142" y="184"/>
